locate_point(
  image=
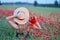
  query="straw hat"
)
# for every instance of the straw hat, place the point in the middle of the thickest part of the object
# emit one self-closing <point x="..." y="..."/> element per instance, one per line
<point x="25" y="15"/>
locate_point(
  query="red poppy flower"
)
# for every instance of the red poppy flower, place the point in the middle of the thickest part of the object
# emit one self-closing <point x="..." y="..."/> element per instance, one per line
<point x="44" y="31"/>
<point x="7" y="12"/>
<point x="50" y="22"/>
<point x="34" y="32"/>
<point x="34" y="38"/>
<point x="53" y="15"/>
<point x="46" y="36"/>
<point x="33" y="20"/>
<point x="42" y="19"/>
<point x="22" y="38"/>
<point x="39" y="34"/>
<point x="27" y="30"/>
<point x="55" y="32"/>
<point x="1" y="11"/>
<point x="59" y="24"/>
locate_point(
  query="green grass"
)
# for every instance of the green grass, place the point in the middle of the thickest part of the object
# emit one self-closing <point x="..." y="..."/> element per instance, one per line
<point x="10" y="33"/>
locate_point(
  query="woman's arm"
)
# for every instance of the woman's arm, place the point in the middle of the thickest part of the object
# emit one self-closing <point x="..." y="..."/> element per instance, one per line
<point x="38" y="25"/>
<point x="10" y="17"/>
<point x="11" y="22"/>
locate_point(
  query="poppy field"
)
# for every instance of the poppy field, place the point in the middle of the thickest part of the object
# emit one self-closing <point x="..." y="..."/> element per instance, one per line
<point x="49" y="19"/>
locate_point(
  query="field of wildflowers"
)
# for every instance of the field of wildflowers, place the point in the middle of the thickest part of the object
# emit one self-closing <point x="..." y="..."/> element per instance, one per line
<point x="50" y="24"/>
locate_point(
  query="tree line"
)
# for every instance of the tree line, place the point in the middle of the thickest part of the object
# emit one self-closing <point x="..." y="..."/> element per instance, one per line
<point x="37" y="4"/>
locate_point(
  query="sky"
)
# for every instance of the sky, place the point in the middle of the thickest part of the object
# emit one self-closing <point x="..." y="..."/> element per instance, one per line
<point x="32" y="1"/>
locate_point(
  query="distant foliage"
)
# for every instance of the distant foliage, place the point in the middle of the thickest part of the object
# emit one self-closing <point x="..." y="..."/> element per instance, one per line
<point x="56" y="3"/>
<point x="0" y="2"/>
<point x="35" y="3"/>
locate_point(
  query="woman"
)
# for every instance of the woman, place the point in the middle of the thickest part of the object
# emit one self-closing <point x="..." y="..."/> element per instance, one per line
<point x="20" y="21"/>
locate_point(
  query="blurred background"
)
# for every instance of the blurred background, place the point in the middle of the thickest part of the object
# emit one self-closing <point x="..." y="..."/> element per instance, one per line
<point x="39" y="5"/>
<point x="47" y="3"/>
<point x="50" y="9"/>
